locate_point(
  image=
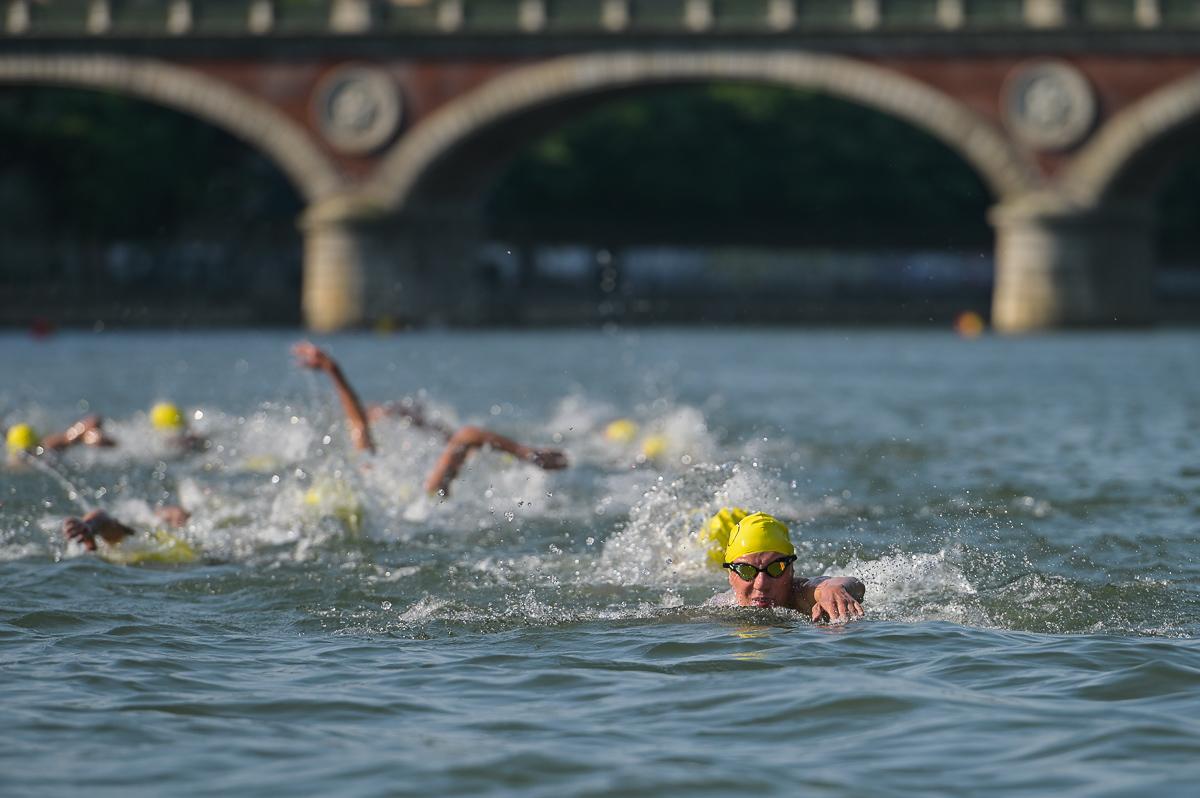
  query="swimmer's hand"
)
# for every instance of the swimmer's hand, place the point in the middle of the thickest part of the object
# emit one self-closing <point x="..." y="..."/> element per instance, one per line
<point x="96" y="524"/>
<point x="548" y="459"/>
<point x="172" y="515"/>
<point x="76" y="529"/>
<point x="836" y="599"/>
<point x="310" y="357"/>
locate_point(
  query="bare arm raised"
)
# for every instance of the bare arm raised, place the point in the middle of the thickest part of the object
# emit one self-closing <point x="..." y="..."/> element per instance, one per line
<point x="311" y="357"/>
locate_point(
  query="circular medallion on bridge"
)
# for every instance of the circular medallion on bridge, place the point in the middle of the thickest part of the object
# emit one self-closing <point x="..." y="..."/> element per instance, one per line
<point x="1049" y="105"/>
<point x="357" y="108"/>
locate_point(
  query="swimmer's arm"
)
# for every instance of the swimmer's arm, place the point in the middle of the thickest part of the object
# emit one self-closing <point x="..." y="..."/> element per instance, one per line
<point x="835" y="598"/>
<point x="414" y="414"/>
<point x="467" y="439"/>
<point x="311" y="357"/>
<point x="86" y="430"/>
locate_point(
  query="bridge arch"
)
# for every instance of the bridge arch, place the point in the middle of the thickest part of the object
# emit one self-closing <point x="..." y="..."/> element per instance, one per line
<point x="572" y="81"/>
<point x="282" y="140"/>
<point x="1133" y="150"/>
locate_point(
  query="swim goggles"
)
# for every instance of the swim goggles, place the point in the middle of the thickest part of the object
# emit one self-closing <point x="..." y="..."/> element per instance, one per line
<point x="749" y="573"/>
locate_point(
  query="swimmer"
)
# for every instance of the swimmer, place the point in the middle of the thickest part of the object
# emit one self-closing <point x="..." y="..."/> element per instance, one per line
<point x="22" y="439"/>
<point x="459" y="445"/>
<point x="170" y="422"/>
<point x="759" y="554"/>
<point x="651" y="450"/>
<point x="158" y="547"/>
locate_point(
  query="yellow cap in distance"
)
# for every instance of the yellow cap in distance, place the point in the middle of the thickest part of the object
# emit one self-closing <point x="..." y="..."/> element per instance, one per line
<point x="623" y="430"/>
<point x="166" y="416"/>
<point x="654" y="447"/>
<point x="21" y="438"/>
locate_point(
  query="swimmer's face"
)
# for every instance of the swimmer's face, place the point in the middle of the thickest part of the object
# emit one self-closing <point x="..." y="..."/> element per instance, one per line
<point x="762" y="590"/>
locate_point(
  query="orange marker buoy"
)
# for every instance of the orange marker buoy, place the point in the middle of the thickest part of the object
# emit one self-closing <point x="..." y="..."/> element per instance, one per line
<point x="969" y="324"/>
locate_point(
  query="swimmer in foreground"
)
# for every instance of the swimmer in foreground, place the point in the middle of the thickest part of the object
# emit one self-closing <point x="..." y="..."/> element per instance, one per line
<point x="459" y="445"/>
<point x="758" y="553"/>
<point x="158" y="547"/>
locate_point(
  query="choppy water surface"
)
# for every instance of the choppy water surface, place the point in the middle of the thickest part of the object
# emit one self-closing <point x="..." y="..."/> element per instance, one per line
<point x="1024" y="511"/>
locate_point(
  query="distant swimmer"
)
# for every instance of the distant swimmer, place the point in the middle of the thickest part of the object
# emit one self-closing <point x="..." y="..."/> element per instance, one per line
<point x="459" y="445"/>
<point x="22" y="439"/>
<point x="653" y="449"/>
<point x="757" y="551"/>
<point x="116" y="542"/>
<point x="169" y="421"/>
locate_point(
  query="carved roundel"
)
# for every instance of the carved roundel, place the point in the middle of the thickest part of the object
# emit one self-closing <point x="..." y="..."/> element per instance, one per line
<point x="1049" y="105"/>
<point x="357" y="109"/>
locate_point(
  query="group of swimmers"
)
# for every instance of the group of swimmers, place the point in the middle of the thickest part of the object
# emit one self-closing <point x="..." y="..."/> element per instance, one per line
<point x="754" y="548"/>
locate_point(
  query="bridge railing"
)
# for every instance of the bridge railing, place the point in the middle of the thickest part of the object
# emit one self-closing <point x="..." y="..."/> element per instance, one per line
<point x="148" y="18"/>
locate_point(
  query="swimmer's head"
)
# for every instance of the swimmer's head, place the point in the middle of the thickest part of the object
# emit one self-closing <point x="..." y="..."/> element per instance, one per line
<point x="166" y="417"/>
<point x="759" y="559"/>
<point x="21" y="438"/>
<point x="714" y="535"/>
<point x="623" y="430"/>
<point x="756" y="533"/>
<point x="335" y="498"/>
<point x="654" y="447"/>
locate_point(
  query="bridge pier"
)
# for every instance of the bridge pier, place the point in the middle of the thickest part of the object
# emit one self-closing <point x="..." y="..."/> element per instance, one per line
<point x="333" y="295"/>
<point x="363" y="266"/>
<point x="1058" y="266"/>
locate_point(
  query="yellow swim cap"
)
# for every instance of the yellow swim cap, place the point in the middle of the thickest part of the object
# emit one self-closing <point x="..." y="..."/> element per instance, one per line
<point x="622" y="430"/>
<point x="758" y="532"/>
<point x="166" y="416"/>
<point x="715" y="533"/>
<point x="22" y="438"/>
<point x="654" y="447"/>
<point x="336" y="498"/>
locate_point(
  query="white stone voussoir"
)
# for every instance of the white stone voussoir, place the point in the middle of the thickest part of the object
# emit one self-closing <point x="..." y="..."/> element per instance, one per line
<point x="1004" y="167"/>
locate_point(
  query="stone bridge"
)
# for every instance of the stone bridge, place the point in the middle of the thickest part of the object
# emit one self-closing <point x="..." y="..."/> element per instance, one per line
<point x="391" y="117"/>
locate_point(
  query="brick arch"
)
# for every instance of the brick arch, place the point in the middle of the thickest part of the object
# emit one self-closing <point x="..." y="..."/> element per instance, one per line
<point x="1135" y="147"/>
<point x="1004" y="168"/>
<point x="249" y="119"/>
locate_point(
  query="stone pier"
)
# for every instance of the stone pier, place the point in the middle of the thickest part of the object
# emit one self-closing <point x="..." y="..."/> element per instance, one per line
<point x="363" y="266"/>
<point x="1058" y="266"/>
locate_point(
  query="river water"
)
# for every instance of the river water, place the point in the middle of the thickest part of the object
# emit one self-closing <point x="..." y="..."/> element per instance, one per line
<point x="1024" y="511"/>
